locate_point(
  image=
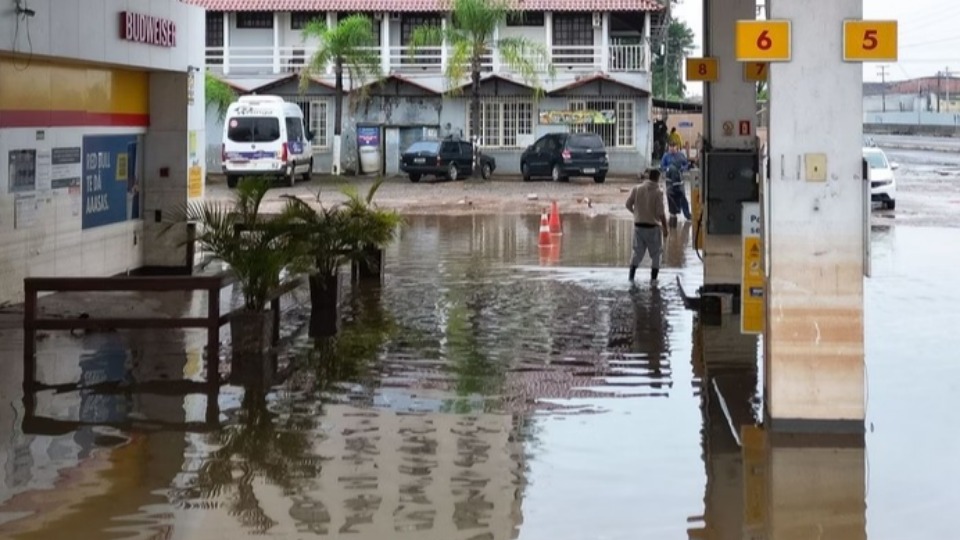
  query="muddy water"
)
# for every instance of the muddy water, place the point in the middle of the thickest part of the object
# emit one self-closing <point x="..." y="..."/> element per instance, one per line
<point x="488" y="389"/>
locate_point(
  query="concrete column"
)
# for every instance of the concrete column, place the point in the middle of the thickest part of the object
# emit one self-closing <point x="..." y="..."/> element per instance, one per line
<point x="815" y="237"/>
<point x="226" y="43"/>
<point x="385" y="43"/>
<point x="647" y="54"/>
<point x="548" y="32"/>
<point x="728" y="102"/>
<point x="443" y="46"/>
<point x="495" y="55"/>
<point x="605" y="42"/>
<point x="276" y="42"/>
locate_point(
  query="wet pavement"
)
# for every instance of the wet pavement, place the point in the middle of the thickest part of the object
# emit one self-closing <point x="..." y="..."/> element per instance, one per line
<point x="487" y="389"/>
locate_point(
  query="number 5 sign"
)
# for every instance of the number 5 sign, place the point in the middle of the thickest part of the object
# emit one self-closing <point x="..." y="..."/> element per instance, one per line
<point x="866" y="41"/>
<point x="763" y="41"/>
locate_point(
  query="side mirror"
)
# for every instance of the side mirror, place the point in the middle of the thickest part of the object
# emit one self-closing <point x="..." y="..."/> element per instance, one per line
<point x="894" y="166"/>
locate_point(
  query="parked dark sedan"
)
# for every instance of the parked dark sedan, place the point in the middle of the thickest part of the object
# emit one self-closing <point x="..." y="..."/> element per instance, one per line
<point x="443" y="159"/>
<point x="563" y="155"/>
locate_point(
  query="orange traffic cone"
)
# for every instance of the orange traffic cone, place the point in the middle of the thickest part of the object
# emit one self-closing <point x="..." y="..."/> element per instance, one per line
<point x="555" y="227"/>
<point x="545" y="239"/>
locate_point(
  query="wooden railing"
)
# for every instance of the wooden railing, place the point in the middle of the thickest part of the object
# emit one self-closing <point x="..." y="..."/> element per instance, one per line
<point x="212" y="322"/>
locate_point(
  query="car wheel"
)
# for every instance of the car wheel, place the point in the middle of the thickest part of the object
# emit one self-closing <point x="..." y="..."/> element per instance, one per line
<point x="306" y="176"/>
<point x="890" y="205"/>
<point x="599" y="179"/>
<point x="525" y="172"/>
<point x="486" y="171"/>
<point x="232" y="181"/>
<point x="414" y="177"/>
<point x="557" y="175"/>
<point x="452" y="172"/>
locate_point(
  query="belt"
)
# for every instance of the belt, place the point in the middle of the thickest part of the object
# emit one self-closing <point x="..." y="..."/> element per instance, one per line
<point x="645" y="225"/>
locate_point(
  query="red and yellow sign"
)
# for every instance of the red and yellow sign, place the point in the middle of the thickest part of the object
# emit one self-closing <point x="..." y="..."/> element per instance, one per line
<point x="703" y="69"/>
<point x="763" y="41"/>
<point x="870" y="41"/>
<point x="52" y="94"/>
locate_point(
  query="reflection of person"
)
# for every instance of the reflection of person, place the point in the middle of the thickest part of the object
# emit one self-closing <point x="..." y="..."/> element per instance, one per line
<point x="673" y="164"/>
<point x="650" y="330"/>
<point x="675" y="251"/>
<point x="646" y="204"/>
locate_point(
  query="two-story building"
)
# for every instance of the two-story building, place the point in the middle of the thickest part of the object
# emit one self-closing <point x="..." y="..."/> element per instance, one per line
<point x="599" y="50"/>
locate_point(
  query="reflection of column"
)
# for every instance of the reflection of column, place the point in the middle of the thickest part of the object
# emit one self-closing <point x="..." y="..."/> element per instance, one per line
<point x="805" y="486"/>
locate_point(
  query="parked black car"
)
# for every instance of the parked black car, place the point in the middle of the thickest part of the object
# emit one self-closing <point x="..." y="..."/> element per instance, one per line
<point x="564" y="155"/>
<point x="444" y="159"/>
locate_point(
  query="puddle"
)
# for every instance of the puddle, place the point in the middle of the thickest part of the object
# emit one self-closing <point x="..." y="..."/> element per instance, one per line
<point x="487" y="389"/>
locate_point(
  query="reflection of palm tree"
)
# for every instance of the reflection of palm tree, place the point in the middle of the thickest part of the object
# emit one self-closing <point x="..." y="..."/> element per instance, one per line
<point x="261" y="444"/>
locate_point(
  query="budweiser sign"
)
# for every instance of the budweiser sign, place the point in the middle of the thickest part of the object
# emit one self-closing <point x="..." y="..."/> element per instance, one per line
<point x="147" y="29"/>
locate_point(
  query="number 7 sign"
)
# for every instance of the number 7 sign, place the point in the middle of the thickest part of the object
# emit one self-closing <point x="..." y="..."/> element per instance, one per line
<point x="869" y="41"/>
<point x="763" y="41"/>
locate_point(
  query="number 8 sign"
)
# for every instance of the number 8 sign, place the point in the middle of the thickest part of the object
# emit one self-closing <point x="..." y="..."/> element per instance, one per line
<point x="763" y="41"/>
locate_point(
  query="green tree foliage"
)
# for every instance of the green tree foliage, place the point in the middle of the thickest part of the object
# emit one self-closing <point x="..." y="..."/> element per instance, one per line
<point x="349" y="47"/>
<point x="668" y="61"/>
<point x="219" y="95"/>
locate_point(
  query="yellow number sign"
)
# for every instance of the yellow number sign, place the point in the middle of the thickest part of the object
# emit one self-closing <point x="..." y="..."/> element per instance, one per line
<point x="763" y="41"/>
<point x="755" y="71"/>
<point x="870" y="41"/>
<point x="703" y="69"/>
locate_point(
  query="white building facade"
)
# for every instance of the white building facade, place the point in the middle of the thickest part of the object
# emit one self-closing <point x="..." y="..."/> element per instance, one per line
<point x="101" y="130"/>
<point x="599" y="51"/>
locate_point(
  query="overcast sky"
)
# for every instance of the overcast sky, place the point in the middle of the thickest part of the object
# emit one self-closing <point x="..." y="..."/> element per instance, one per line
<point x="929" y="37"/>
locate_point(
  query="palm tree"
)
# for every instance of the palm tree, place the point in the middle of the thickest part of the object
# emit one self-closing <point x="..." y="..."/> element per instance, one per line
<point x="219" y="94"/>
<point x="471" y="38"/>
<point x="350" y="45"/>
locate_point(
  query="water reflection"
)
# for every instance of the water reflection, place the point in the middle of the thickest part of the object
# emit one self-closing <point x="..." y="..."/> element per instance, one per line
<point x="475" y="394"/>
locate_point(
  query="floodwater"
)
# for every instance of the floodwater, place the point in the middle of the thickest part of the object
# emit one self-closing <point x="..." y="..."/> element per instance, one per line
<point x="488" y="390"/>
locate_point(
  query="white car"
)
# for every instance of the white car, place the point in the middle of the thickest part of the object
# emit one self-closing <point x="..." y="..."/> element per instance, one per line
<point x="883" y="183"/>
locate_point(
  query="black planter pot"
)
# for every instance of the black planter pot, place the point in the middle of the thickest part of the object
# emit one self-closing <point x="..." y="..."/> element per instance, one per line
<point x="251" y="335"/>
<point x="370" y="265"/>
<point x="324" y="307"/>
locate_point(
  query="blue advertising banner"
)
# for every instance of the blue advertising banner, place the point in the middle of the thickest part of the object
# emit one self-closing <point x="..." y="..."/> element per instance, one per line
<point x="110" y="185"/>
<point x="368" y="136"/>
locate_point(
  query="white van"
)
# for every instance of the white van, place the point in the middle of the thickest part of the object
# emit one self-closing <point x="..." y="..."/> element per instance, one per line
<point x="264" y="136"/>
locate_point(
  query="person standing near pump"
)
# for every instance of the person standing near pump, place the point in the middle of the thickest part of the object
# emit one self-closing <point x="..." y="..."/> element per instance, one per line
<point x="673" y="164"/>
<point x="649" y="223"/>
<point x="674" y="139"/>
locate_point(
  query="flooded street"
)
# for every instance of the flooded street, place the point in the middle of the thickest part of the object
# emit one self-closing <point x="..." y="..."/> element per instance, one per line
<point x="487" y="389"/>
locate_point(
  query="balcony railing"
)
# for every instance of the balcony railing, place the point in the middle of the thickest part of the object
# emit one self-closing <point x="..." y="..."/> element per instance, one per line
<point x="403" y="59"/>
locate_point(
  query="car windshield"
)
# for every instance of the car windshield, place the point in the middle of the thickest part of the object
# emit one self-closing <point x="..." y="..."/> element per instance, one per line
<point x="593" y="142"/>
<point x="253" y="129"/>
<point x="876" y="160"/>
<point x="423" y="146"/>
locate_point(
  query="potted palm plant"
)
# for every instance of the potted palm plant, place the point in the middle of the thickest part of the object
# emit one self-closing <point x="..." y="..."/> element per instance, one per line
<point x="369" y="229"/>
<point x="329" y="237"/>
<point x="255" y="248"/>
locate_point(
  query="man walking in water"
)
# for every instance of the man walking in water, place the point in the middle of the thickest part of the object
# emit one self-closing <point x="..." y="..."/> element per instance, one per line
<point x="649" y="223"/>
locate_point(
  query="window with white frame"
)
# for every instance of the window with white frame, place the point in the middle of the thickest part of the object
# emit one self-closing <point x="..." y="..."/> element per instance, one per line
<point x="318" y="122"/>
<point x="502" y="121"/>
<point x="620" y="134"/>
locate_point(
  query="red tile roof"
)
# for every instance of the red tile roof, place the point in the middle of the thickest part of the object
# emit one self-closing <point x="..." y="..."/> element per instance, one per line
<point x="419" y="5"/>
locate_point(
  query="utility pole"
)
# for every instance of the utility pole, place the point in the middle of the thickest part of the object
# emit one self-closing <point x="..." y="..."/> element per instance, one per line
<point x="666" y="58"/>
<point x="882" y="72"/>
<point x="946" y="73"/>
<point x="939" y="89"/>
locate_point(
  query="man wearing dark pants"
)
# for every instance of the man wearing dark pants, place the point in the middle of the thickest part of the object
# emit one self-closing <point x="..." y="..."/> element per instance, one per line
<point x="649" y="223"/>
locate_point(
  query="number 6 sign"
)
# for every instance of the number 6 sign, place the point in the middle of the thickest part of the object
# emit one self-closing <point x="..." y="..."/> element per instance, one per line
<point x="763" y="41"/>
<point x="870" y="41"/>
